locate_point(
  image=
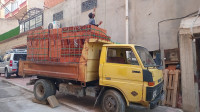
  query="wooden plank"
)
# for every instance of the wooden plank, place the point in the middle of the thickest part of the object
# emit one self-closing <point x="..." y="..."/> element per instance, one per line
<point x="53" y="101"/>
<point x="165" y="85"/>
<point x="169" y="90"/>
<point x="172" y="86"/>
<point x="175" y="84"/>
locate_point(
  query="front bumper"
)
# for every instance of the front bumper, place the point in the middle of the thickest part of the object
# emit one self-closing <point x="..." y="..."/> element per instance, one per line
<point x="155" y="102"/>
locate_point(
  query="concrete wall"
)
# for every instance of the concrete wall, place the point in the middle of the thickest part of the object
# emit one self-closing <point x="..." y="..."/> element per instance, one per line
<point x="35" y="4"/>
<point x="51" y="3"/>
<point x="113" y="17"/>
<point x="144" y="16"/>
<point x="7" y="25"/>
<point x="2" y="15"/>
<point x="9" y="44"/>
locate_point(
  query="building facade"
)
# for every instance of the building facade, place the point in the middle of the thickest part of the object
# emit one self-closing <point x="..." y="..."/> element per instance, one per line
<point x="23" y="14"/>
<point x="15" y="9"/>
<point x="144" y="16"/>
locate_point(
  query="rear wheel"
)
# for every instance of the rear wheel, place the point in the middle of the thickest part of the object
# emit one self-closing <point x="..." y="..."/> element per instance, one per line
<point x="7" y="75"/>
<point x="43" y="89"/>
<point x="113" y="102"/>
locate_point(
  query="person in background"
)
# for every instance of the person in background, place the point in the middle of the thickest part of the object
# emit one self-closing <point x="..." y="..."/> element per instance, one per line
<point x="92" y="20"/>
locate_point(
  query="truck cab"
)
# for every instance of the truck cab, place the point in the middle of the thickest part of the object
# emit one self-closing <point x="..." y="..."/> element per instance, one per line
<point x="131" y="71"/>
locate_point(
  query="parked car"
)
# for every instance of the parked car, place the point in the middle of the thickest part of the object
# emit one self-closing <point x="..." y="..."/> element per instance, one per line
<point x="9" y="63"/>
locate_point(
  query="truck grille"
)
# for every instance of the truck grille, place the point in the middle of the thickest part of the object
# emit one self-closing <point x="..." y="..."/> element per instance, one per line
<point x="150" y="90"/>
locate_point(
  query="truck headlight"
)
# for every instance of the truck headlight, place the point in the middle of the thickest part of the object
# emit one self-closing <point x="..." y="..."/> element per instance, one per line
<point x="154" y="94"/>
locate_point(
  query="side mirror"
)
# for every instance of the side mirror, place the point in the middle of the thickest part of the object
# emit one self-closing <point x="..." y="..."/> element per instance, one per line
<point x="159" y="61"/>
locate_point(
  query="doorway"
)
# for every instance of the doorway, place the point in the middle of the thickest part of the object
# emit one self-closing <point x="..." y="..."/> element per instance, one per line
<point x="197" y="78"/>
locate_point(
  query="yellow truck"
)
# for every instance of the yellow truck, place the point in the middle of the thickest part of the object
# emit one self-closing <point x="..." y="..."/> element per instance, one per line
<point x="117" y="75"/>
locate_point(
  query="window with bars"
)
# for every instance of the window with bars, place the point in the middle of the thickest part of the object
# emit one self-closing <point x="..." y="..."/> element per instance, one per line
<point x="32" y="23"/>
<point x="88" y="5"/>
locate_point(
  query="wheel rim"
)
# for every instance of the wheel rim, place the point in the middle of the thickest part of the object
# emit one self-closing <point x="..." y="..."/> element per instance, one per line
<point x="40" y="90"/>
<point x="110" y="104"/>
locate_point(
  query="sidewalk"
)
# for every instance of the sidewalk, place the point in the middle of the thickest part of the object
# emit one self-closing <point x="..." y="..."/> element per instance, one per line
<point x="21" y="82"/>
<point x="82" y="104"/>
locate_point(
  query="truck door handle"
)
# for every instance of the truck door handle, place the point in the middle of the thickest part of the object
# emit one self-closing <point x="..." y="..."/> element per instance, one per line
<point x="108" y="78"/>
<point x="135" y="71"/>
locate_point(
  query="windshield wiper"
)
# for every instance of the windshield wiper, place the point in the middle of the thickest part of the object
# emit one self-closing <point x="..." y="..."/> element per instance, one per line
<point x="151" y="66"/>
<point x="157" y="66"/>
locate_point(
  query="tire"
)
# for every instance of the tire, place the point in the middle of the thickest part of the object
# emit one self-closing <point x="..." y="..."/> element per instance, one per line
<point x="113" y="101"/>
<point x="43" y="89"/>
<point x="7" y="75"/>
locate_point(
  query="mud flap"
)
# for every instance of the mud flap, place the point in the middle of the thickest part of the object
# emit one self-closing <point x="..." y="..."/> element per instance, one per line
<point x="98" y="97"/>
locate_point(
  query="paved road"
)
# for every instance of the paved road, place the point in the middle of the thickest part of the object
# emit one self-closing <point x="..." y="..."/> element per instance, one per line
<point x="86" y="105"/>
<point x="15" y="99"/>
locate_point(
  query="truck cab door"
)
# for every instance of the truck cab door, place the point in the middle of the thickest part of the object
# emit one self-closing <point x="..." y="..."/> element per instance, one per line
<point x="121" y="70"/>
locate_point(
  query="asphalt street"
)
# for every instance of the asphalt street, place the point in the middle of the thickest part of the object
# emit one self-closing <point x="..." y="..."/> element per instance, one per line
<point x="17" y="99"/>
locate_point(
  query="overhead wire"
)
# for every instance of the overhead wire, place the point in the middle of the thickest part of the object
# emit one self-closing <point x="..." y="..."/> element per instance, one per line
<point x="191" y="14"/>
<point x="191" y="28"/>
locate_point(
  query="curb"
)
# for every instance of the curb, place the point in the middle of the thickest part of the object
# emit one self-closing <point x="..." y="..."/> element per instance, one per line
<point x="17" y="85"/>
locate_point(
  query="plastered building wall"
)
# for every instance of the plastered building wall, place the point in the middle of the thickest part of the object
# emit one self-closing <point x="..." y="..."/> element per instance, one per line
<point x="144" y="16"/>
<point x="35" y="4"/>
<point x="9" y="44"/>
<point x="113" y="17"/>
<point x="7" y="25"/>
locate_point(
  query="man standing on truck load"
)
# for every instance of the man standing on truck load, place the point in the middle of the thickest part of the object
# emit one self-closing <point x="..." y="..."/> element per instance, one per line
<point x="92" y="20"/>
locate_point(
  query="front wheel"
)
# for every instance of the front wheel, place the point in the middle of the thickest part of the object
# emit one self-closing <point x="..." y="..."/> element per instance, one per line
<point x="7" y="75"/>
<point x="113" y="102"/>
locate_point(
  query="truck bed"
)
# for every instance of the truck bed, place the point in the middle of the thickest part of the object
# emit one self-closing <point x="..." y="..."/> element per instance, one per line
<point x="85" y="71"/>
<point x="61" y="71"/>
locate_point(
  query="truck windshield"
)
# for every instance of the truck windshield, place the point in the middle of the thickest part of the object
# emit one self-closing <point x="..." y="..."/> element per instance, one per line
<point x="145" y="56"/>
